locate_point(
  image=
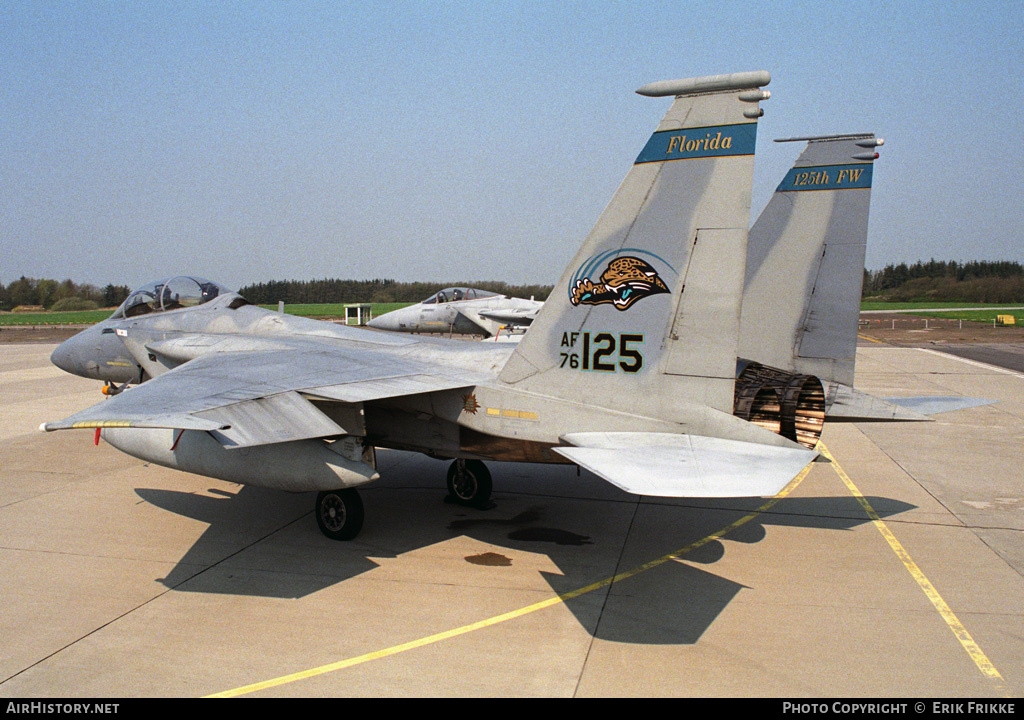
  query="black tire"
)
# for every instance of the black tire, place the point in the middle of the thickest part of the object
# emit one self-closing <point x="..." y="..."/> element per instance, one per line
<point x="469" y="483"/>
<point x="339" y="513"/>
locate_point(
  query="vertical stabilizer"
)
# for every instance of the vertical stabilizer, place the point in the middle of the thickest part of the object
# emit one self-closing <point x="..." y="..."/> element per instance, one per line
<point x="805" y="261"/>
<point x="651" y="301"/>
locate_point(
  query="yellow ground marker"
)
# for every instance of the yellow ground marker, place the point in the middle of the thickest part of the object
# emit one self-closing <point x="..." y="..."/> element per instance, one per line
<point x="980" y="659"/>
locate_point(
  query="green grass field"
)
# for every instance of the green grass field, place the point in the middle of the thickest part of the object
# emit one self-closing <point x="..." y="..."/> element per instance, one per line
<point x="868" y="305"/>
<point x="981" y="316"/>
<point x="78" y="317"/>
<point x="972" y="312"/>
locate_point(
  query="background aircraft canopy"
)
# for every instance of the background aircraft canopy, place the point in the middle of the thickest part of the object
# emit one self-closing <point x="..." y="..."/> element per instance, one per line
<point x="458" y="293"/>
<point x="170" y="294"/>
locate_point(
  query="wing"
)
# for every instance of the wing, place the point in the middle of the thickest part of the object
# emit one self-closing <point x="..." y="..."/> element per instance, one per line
<point x="668" y="465"/>
<point x="261" y="397"/>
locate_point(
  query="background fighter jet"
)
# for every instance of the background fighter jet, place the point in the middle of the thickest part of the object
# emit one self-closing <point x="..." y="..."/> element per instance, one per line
<point x="462" y="310"/>
<point x="641" y="393"/>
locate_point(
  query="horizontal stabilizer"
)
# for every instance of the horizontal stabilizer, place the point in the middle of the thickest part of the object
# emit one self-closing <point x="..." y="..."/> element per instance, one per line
<point x="669" y="465"/>
<point x="934" y="405"/>
<point x="852" y="405"/>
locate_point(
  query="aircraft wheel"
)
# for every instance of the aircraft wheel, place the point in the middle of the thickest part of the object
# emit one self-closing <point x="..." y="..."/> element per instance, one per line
<point x="469" y="483"/>
<point x="339" y="513"/>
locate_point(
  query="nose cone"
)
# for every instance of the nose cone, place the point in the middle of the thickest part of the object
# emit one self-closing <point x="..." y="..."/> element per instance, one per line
<point x="66" y="357"/>
<point x="95" y="354"/>
<point x="387" y="321"/>
<point x="78" y="354"/>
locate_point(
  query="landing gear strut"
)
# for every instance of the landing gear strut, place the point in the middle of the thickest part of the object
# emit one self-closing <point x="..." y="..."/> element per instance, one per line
<point x="469" y="483"/>
<point x="339" y="513"/>
<point x="110" y="389"/>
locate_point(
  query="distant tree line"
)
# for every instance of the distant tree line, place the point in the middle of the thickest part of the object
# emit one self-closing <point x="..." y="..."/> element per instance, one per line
<point x="979" y="281"/>
<point x="55" y="295"/>
<point x="377" y="291"/>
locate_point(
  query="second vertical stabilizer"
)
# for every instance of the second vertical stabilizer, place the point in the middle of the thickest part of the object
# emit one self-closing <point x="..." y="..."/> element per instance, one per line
<point x="805" y="261"/>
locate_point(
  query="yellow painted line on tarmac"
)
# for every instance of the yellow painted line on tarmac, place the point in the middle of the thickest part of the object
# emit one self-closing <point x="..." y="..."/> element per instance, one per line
<point x="865" y="337"/>
<point x="966" y="641"/>
<point x="512" y="615"/>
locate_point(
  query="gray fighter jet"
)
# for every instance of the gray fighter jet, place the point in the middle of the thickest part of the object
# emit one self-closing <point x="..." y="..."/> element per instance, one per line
<point x="462" y="310"/>
<point x="629" y="370"/>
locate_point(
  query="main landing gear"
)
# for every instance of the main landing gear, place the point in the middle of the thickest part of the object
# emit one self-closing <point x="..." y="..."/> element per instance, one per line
<point x="339" y="513"/>
<point x="469" y="483"/>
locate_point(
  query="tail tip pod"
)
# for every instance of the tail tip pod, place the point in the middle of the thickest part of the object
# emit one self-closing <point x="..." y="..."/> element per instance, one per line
<point x="709" y="83"/>
<point x="862" y="140"/>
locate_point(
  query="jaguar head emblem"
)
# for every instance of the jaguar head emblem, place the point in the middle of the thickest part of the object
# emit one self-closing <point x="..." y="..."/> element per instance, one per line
<point x="625" y="281"/>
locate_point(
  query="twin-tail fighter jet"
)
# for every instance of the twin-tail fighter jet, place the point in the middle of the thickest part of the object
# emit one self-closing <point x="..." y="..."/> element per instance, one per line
<point x="628" y="370"/>
<point x="461" y="310"/>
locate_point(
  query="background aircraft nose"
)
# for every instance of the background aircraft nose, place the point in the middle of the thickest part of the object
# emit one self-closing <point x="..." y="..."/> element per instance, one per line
<point x="383" y="322"/>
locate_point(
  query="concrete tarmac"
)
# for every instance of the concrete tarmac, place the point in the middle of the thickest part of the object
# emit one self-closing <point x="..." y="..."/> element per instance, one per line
<point x="893" y="572"/>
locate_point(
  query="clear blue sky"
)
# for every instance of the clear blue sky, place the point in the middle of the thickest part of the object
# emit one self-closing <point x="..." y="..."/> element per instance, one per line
<point x="248" y="141"/>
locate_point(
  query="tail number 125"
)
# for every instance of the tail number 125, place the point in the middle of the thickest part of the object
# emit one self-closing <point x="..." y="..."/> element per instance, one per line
<point x="603" y="351"/>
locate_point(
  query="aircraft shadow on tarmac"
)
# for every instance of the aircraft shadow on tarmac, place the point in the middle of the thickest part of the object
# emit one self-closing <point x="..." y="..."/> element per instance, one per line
<point x="266" y="543"/>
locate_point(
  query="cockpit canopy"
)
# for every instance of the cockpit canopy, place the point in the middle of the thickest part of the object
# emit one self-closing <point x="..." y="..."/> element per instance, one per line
<point x="170" y="294"/>
<point x="453" y="294"/>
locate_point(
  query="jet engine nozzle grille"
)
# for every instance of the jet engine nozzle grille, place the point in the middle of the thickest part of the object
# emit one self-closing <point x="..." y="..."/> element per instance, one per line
<point x="792" y="405"/>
